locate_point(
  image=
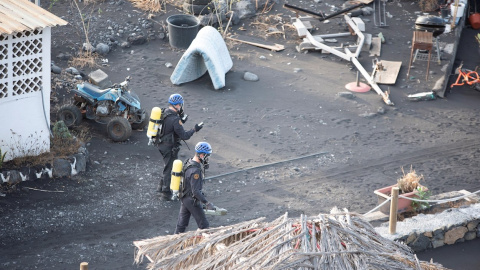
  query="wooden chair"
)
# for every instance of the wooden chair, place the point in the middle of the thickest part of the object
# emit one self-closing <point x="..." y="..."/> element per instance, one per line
<point x="421" y="41"/>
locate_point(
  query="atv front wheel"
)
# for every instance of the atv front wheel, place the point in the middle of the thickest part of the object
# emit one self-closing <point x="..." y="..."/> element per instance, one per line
<point x="142" y="124"/>
<point x="119" y="129"/>
<point x="70" y="115"/>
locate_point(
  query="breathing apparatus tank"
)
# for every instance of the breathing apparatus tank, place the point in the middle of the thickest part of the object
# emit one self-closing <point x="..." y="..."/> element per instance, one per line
<point x="155" y="124"/>
<point x="177" y="175"/>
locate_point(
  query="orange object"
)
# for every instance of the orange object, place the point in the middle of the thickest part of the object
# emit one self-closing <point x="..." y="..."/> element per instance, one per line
<point x="467" y="76"/>
<point x="474" y="20"/>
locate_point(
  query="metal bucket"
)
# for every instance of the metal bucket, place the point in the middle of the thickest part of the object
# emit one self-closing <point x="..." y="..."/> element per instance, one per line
<point x="182" y="30"/>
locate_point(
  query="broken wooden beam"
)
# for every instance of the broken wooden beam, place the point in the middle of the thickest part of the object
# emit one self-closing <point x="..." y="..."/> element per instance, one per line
<point x="276" y="47"/>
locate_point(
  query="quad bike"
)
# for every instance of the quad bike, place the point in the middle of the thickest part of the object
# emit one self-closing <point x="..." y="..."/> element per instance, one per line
<point x="116" y="106"/>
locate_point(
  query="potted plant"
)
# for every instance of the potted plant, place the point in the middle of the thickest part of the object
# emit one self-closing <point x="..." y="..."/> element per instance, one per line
<point x="409" y="185"/>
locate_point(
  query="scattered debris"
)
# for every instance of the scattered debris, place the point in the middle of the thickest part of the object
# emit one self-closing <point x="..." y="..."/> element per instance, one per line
<point x="349" y="56"/>
<point x="386" y="72"/>
<point x="423" y="96"/>
<point x="275" y="48"/>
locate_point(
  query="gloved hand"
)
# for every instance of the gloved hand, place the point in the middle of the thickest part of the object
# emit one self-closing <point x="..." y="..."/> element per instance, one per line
<point x="198" y="127"/>
<point x="210" y="206"/>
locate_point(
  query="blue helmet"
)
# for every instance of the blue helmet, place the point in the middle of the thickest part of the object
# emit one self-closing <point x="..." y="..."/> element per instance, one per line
<point x="175" y="99"/>
<point x="203" y="148"/>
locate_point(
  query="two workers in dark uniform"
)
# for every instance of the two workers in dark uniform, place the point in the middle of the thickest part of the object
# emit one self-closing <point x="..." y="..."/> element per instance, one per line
<point x="192" y="199"/>
<point x="169" y="141"/>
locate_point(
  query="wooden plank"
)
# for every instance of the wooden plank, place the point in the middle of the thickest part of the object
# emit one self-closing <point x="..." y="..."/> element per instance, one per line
<point x="389" y="73"/>
<point x="276" y="47"/>
<point x="366" y="2"/>
<point x="376" y="47"/>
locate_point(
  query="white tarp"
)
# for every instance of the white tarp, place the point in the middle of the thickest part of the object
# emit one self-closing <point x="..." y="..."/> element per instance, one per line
<point x="208" y="51"/>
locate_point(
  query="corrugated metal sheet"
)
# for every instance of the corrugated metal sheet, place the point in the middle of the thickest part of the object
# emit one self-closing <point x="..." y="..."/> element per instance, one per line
<point x="23" y="15"/>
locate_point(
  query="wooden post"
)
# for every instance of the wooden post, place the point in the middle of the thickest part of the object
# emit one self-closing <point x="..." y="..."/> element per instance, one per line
<point x="393" y="211"/>
<point x="84" y="266"/>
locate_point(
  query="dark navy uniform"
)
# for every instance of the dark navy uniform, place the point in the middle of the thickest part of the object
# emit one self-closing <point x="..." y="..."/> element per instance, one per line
<point x="169" y="146"/>
<point x="192" y="197"/>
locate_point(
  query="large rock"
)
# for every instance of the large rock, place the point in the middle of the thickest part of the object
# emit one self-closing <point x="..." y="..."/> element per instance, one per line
<point x="14" y="177"/>
<point x="248" y="8"/>
<point x="472" y="225"/>
<point x="454" y="234"/>
<point x="420" y="243"/>
<point x="102" y="49"/>
<point x="248" y="76"/>
<point x="470" y="236"/>
<point x="137" y="39"/>
<point x="81" y="162"/>
<point x="61" y="168"/>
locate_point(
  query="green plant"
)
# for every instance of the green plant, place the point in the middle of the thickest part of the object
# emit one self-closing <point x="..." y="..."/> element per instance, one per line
<point x="52" y="3"/>
<point x="2" y="157"/>
<point x="61" y="130"/>
<point x="422" y="195"/>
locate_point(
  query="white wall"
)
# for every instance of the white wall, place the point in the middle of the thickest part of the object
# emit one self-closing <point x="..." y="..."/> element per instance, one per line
<point x="25" y="93"/>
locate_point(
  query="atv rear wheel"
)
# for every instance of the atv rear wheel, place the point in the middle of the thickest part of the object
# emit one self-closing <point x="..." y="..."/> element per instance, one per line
<point x="119" y="129"/>
<point x="70" y="115"/>
<point x="143" y="124"/>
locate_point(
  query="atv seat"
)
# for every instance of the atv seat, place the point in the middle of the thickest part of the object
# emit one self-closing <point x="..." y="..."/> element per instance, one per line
<point x="94" y="90"/>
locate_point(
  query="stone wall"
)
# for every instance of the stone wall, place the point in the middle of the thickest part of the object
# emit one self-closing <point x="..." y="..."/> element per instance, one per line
<point x="423" y="232"/>
<point x="60" y="168"/>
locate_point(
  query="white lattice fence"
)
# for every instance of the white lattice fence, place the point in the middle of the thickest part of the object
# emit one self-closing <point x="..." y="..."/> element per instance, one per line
<point x="21" y="63"/>
<point x="25" y="92"/>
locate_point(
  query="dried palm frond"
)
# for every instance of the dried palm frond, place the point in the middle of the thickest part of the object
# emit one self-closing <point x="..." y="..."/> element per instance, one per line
<point x="339" y="240"/>
<point x="84" y="59"/>
<point x="149" y="5"/>
<point x="409" y="181"/>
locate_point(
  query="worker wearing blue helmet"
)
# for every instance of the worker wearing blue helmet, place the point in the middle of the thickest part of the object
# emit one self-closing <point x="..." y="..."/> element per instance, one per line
<point x="192" y="197"/>
<point x="168" y="143"/>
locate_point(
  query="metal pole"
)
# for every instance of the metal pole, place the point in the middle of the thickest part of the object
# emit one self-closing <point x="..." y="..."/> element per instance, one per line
<point x="264" y="165"/>
<point x="393" y="211"/>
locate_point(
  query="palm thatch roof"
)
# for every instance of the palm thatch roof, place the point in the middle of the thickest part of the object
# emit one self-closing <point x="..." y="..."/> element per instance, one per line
<point x="339" y="240"/>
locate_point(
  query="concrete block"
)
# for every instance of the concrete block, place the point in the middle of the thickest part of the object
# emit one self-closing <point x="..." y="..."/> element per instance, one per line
<point x="99" y="78"/>
<point x="301" y="28"/>
<point x="367" y="42"/>
<point x="359" y="22"/>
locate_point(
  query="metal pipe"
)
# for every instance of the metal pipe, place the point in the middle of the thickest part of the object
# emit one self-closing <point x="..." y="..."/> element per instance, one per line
<point x="342" y="11"/>
<point x="265" y="165"/>
<point x="322" y="15"/>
